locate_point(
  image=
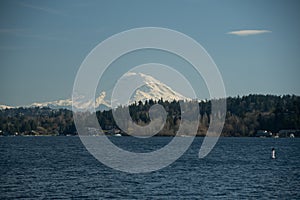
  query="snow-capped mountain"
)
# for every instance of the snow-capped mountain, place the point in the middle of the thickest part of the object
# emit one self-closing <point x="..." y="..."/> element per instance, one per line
<point x="151" y="89"/>
<point x="2" y="107"/>
<point x="67" y="103"/>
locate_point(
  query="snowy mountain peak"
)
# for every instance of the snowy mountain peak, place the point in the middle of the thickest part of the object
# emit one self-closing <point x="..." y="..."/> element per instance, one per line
<point x="154" y="89"/>
<point x="142" y="87"/>
<point x="137" y="75"/>
<point x="151" y="89"/>
<point x="2" y="107"/>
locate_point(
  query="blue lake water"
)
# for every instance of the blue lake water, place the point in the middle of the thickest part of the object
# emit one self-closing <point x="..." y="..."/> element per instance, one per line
<point x="237" y="168"/>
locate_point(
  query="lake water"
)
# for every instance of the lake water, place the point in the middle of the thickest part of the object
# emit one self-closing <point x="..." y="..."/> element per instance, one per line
<point x="237" y="168"/>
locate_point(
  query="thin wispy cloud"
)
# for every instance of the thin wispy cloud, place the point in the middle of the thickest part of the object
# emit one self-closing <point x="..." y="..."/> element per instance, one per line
<point x="248" y="32"/>
<point x="44" y="37"/>
<point x="11" y="30"/>
<point x="13" y="47"/>
<point x="28" y="35"/>
<point x="42" y="8"/>
<point x="25" y="33"/>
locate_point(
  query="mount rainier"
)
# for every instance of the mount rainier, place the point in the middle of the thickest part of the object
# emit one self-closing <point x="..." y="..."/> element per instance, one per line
<point x="151" y="89"/>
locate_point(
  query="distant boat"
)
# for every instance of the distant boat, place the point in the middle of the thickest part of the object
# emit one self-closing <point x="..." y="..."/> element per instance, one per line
<point x="292" y="135"/>
<point x="118" y="135"/>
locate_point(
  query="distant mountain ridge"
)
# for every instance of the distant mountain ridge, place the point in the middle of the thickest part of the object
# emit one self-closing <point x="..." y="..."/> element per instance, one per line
<point x="152" y="89"/>
<point x="2" y="107"/>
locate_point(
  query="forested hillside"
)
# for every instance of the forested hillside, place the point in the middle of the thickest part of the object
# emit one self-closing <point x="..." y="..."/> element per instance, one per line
<point x="245" y="115"/>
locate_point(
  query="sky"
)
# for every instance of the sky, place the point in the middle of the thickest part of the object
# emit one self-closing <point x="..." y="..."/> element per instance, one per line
<point x="255" y="44"/>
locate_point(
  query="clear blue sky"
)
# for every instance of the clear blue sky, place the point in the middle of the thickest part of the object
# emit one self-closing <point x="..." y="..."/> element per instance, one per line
<point x="42" y="43"/>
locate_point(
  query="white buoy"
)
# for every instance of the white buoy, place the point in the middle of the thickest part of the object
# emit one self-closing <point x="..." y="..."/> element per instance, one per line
<point x="273" y="153"/>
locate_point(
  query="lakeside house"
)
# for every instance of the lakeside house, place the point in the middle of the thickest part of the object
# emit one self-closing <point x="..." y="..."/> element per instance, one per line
<point x="289" y="133"/>
<point x="282" y="133"/>
<point x="263" y="133"/>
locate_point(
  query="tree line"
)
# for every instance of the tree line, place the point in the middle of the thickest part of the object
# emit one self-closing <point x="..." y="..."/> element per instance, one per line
<point x="244" y="117"/>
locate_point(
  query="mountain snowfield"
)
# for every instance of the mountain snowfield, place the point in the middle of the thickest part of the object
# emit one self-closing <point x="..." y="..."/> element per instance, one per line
<point x="5" y="107"/>
<point x="151" y="89"/>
